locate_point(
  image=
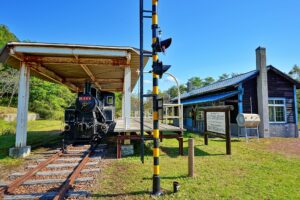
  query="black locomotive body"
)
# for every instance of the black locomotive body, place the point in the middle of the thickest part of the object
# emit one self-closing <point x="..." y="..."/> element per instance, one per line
<point x="91" y="118"/>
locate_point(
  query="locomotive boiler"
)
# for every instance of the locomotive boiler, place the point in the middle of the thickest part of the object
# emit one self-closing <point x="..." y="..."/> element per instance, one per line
<point x="92" y="117"/>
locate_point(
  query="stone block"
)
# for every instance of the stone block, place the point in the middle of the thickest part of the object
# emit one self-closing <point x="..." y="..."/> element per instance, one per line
<point x="19" y="152"/>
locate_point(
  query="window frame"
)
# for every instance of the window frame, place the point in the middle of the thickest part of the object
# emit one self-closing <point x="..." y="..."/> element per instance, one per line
<point x="107" y="101"/>
<point x="277" y="105"/>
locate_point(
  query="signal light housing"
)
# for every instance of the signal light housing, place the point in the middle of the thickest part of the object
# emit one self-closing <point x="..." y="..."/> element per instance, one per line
<point x="161" y="46"/>
<point x="159" y="68"/>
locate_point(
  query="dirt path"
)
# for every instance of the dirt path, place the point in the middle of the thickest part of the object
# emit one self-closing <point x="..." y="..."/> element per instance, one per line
<point x="285" y="146"/>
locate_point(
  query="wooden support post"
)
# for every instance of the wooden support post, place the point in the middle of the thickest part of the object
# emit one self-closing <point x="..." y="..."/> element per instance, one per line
<point x="191" y="157"/>
<point x="228" y="135"/>
<point x="205" y="138"/>
<point x="118" y="147"/>
<point x="180" y="142"/>
<point x="161" y="136"/>
<point x="127" y="97"/>
<point x="205" y="129"/>
<point x="21" y="150"/>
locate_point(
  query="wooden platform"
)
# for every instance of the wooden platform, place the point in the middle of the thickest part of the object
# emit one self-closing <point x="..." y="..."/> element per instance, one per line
<point x="148" y="127"/>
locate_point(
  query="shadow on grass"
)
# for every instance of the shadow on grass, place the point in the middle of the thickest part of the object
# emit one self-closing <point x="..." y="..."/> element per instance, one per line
<point x="136" y="193"/>
<point x="173" y="151"/>
<point x="35" y="139"/>
<point x="167" y="177"/>
<point x="223" y="140"/>
<point x="122" y="195"/>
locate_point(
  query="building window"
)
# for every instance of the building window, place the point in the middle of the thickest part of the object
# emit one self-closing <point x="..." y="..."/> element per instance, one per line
<point x="277" y="110"/>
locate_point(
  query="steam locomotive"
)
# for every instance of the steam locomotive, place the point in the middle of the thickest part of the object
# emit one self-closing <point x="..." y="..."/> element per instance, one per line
<point x="92" y="117"/>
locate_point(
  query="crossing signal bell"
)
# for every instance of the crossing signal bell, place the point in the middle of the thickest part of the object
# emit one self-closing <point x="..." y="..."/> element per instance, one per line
<point x="159" y="68"/>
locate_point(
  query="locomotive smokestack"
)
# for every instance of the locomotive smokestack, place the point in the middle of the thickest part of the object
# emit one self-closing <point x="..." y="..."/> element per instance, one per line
<point x="87" y="88"/>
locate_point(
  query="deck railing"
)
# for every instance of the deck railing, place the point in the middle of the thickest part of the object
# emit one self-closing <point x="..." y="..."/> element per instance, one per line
<point x="173" y="113"/>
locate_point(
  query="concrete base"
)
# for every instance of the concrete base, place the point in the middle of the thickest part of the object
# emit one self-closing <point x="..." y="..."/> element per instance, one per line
<point x="19" y="152"/>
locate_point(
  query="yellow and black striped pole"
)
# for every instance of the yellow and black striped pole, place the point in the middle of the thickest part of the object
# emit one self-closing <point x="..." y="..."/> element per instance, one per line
<point x="156" y="179"/>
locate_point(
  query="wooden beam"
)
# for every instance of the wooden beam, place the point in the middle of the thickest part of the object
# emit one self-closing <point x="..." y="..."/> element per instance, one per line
<point x="99" y="80"/>
<point x="90" y="74"/>
<point x="112" y="89"/>
<point x="52" y="76"/>
<point x="117" y="61"/>
<point x="128" y="57"/>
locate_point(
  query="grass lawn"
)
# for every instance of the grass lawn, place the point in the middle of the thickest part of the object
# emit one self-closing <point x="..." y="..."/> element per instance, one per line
<point x="253" y="171"/>
<point x="41" y="133"/>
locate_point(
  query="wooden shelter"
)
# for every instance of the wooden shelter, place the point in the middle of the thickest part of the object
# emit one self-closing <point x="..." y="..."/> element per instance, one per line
<point x="109" y="68"/>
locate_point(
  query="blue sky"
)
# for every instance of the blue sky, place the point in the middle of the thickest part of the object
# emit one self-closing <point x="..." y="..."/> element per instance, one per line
<point x="210" y="37"/>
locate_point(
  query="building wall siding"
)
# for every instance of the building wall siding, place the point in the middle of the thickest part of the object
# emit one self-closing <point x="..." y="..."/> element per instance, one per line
<point x="250" y="96"/>
<point x="281" y="88"/>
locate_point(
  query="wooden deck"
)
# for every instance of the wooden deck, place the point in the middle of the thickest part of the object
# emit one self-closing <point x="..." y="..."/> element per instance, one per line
<point x="148" y="127"/>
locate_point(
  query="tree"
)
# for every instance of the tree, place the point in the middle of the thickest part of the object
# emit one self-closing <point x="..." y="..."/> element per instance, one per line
<point x="182" y="88"/>
<point x="196" y="82"/>
<point x="295" y="72"/>
<point x="223" y="77"/>
<point x="234" y="74"/>
<point x="6" y="35"/>
<point x="208" y="80"/>
<point x="172" y="92"/>
<point x="46" y="98"/>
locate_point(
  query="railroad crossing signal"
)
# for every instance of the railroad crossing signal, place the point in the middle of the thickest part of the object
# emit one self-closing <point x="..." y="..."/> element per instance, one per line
<point x="159" y="68"/>
<point x="161" y="46"/>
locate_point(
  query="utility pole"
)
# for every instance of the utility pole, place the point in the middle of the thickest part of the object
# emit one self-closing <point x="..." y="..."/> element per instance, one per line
<point x="142" y="77"/>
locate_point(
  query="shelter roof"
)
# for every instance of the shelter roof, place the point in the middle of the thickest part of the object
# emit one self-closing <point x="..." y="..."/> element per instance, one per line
<point x="73" y="64"/>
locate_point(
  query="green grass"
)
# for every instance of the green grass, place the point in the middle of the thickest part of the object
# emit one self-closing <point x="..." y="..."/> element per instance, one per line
<point x="41" y="133"/>
<point x="251" y="172"/>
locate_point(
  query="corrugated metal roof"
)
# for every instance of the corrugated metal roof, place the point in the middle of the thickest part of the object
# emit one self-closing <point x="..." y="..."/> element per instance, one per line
<point x="219" y="85"/>
<point x="210" y="98"/>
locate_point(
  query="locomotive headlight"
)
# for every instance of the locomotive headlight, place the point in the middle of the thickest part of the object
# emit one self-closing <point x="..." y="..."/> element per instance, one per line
<point x="67" y="127"/>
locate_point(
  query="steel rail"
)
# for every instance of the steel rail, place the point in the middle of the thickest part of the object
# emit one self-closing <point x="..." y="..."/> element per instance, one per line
<point x="19" y="181"/>
<point x="71" y="179"/>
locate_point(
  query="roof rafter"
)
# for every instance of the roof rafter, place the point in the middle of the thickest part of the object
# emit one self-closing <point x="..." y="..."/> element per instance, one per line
<point x="90" y="74"/>
<point x="53" y="76"/>
<point x="99" y="80"/>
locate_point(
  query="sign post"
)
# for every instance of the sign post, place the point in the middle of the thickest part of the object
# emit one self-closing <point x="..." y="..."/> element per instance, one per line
<point x="217" y="123"/>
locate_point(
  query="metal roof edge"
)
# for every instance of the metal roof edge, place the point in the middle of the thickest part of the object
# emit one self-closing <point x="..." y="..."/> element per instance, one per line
<point x="222" y="96"/>
<point x="246" y="78"/>
<point x="60" y="45"/>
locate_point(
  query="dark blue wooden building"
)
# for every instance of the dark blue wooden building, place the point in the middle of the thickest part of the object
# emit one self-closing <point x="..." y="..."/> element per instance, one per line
<point x="266" y="91"/>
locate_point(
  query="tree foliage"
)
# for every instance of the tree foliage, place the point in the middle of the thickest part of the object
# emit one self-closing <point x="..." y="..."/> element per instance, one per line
<point x="47" y="99"/>
<point x="295" y="72"/>
<point x="6" y="35"/>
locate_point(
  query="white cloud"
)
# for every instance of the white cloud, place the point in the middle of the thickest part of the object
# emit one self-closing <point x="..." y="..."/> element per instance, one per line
<point x="170" y="79"/>
<point x="147" y="81"/>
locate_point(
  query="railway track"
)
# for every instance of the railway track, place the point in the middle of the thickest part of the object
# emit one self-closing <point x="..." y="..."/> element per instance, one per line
<point x="60" y="175"/>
